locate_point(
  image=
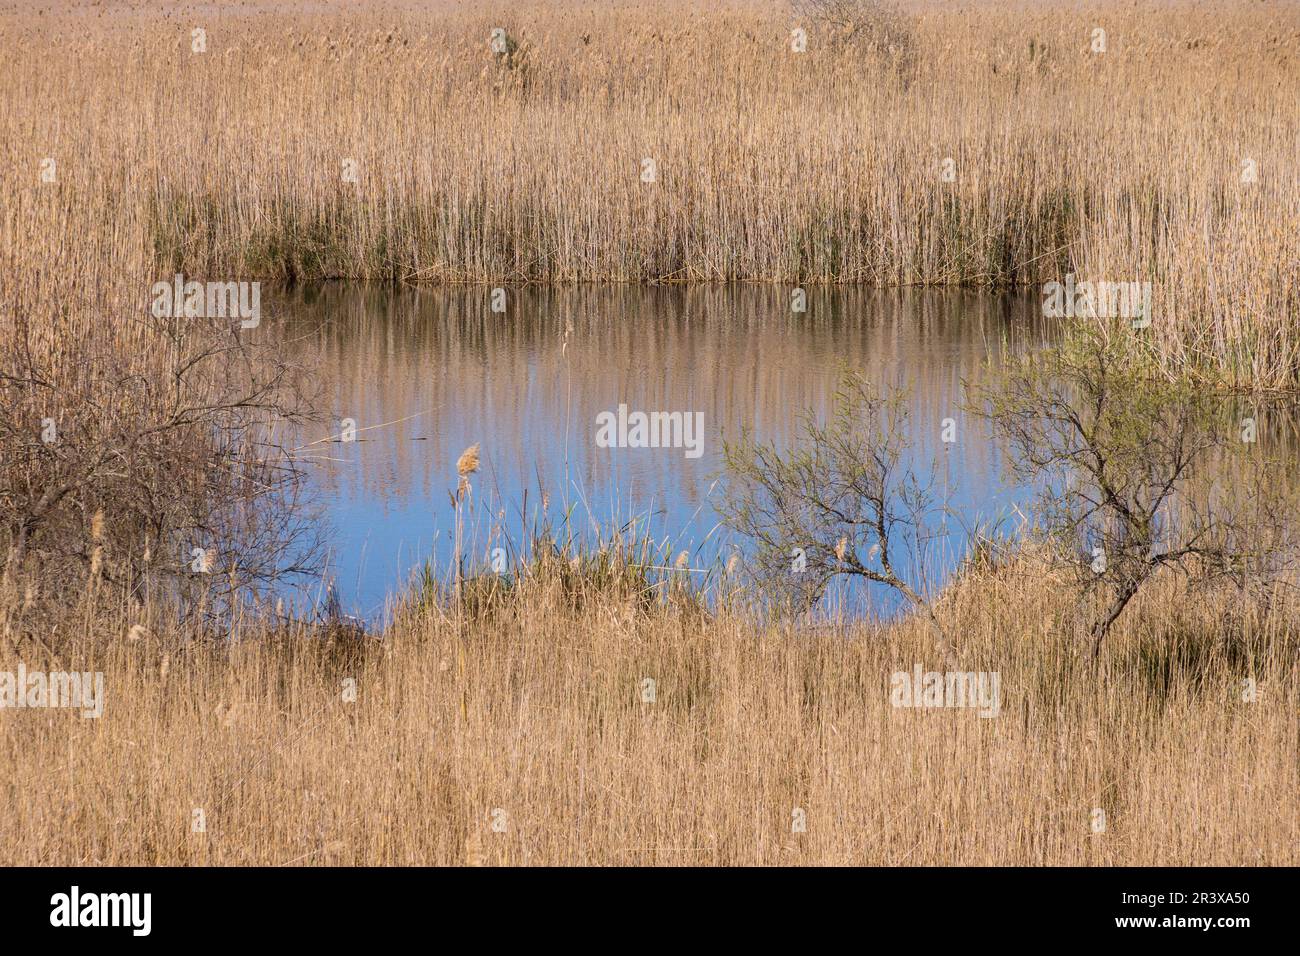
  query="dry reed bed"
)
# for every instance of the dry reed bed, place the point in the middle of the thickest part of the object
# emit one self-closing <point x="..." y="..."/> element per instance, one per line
<point x="536" y="710"/>
<point x="771" y="165"/>
<point x="821" y="167"/>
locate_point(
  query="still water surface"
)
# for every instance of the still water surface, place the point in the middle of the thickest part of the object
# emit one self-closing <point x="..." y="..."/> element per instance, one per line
<point x="426" y="373"/>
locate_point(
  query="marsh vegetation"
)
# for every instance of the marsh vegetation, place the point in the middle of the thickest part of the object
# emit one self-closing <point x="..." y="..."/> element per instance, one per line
<point x="1000" y="146"/>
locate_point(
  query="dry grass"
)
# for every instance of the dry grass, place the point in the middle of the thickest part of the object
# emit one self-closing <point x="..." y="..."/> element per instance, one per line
<point x="815" y="167"/>
<point x="770" y="165"/>
<point x="535" y="708"/>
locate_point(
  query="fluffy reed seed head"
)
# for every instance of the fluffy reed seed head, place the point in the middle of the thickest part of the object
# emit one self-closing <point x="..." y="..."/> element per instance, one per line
<point x="466" y="465"/>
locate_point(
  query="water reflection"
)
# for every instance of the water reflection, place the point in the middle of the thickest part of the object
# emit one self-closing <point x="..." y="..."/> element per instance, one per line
<point x="425" y="373"/>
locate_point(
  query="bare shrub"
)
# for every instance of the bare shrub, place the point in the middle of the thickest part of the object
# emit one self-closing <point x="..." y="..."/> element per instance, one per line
<point x="146" y="464"/>
<point x="1137" y="473"/>
<point x="845" y="501"/>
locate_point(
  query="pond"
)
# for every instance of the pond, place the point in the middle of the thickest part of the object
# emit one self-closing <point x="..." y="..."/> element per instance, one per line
<point x="549" y="389"/>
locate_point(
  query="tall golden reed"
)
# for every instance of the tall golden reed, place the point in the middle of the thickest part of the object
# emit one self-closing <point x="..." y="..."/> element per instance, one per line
<point x="993" y="145"/>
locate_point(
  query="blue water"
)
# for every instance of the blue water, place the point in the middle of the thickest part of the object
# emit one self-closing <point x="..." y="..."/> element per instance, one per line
<point x="425" y="373"/>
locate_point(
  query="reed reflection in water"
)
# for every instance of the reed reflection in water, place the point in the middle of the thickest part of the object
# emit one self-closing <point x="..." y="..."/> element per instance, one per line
<point x="439" y="371"/>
